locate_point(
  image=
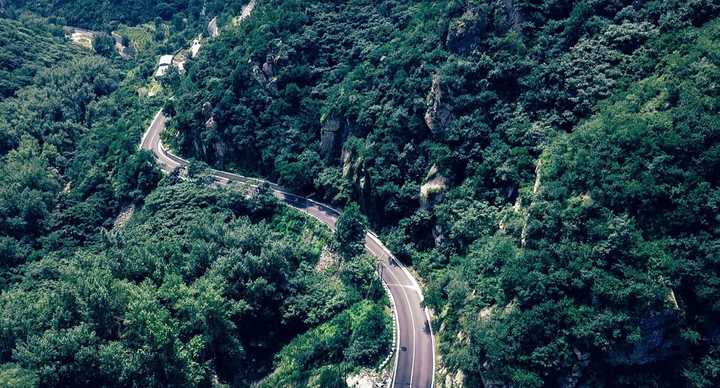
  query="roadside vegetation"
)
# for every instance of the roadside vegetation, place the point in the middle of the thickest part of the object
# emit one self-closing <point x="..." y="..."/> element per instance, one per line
<point x="68" y="139"/>
<point x="201" y="284"/>
<point x="548" y="167"/>
<point x="113" y="275"/>
<point x="105" y="14"/>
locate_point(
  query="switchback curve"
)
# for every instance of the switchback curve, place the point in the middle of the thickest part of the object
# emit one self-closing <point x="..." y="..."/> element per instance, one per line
<point x="414" y="346"/>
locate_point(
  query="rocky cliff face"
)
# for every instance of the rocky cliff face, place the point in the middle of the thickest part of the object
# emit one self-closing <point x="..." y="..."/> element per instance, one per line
<point x="215" y="148"/>
<point x="437" y="115"/>
<point x="258" y="74"/>
<point x="432" y="190"/>
<point x="268" y="68"/>
<point x="465" y="32"/>
<point x="264" y="73"/>
<point x="513" y="15"/>
<point x="353" y="169"/>
<point x="330" y="138"/>
<point x="659" y="341"/>
<point x="213" y="29"/>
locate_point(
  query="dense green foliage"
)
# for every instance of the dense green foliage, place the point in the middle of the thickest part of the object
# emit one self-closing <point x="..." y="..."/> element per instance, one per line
<point x="102" y="14"/>
<point x="350" y="338"/>
<point x="616" y="271"/>
<point x="350" y="232"/>
<point x="201" y="285"/>
<point x="548" y="166"/>
<point x="68" y="147"/>
<point x="25" y="48"/>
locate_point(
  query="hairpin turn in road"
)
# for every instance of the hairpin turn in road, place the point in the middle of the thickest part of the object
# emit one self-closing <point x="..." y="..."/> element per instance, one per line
<point x="414" y="346"/>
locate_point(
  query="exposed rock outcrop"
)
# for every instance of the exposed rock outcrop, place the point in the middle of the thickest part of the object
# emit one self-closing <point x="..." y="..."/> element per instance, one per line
<point x="432" y="190"/>
<point x="437" y="115"/>
<point x="465" y="32"/>
<point x="220" y="149"/>
<point x="258" y="74"/>
<point x="211" y="123"/>
<point x="327" y="260"/>
<point x="513" y="15"/>
<point x="207" y="112"/>
<point x="247" y="10"/>
<point x="269" y="66"/>
<point x="332" y="135"/>
<point x="353" y="169"/>
<point x="213" y="29"/>
<point x="121" y="45"/>
<point x="218" y="146"/>
<point x="329" y="134"/>
<point x="453" y="379"/>
<point x="264" y="73"/>
<point x="207" y="108"/>
<point x="659" y="341"/>
<point x="368" y="378"/>
<point x="195" y="48"/>
<point x="123" y="217"/>
<point x="572" y="380"/>
<point x="536" y="190"/>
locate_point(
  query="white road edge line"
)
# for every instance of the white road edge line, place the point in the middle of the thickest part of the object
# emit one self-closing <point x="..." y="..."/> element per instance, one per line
<point x="372" y="236"/>
<point x="412" y="322"/>
<point x="147" y="132"/>
<point x="417" y="285"/>
<point x="389" y="292"/>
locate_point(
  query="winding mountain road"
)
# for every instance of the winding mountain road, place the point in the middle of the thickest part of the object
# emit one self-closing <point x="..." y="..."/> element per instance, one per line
<point x="414" y="345"/>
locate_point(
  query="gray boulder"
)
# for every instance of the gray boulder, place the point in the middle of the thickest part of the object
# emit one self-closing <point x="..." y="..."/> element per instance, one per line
<point x="437" y="115"/>
<point x="330" y="138"/>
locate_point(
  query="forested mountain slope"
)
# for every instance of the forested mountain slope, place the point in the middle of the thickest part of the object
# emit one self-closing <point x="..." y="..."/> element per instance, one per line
<point x="67" y="159"/>
<point x="102" y="14"/>
<point x="549" y="167"/>
<point x="110" y="276"/>
<point x="200" y="285"/>
<point x="18" y="64"/>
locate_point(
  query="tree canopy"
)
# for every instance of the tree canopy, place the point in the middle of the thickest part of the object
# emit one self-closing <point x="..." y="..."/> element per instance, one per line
<point x="548" y="168"/>
<point x="350" y="232"/>
<point x="111" y="275"/>
<point x="544" y="165"/>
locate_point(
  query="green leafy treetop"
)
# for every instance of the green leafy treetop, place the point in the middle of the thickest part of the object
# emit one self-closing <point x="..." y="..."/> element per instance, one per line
<point x="350" y="232"/>
<point x="104" y="45"/>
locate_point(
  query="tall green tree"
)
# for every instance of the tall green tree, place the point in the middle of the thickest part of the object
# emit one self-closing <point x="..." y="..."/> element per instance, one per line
<point x="350" y="232"/>
<point x="104" y="45"/>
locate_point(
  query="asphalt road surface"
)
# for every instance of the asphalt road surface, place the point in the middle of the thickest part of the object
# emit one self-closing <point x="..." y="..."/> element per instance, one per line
<point x="415" y="361"/>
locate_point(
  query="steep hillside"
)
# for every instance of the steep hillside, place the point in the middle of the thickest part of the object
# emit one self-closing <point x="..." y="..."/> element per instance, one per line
<point x="547" y="166"/>
<point x="68" y="159"/>
<point x="101" y="14"/>
<point x="112" y="276"/>
<point x="610" y="275"/>
<point x="201" y="285"/>
<point x="26" y="47"/>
